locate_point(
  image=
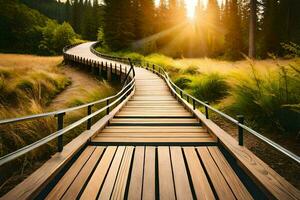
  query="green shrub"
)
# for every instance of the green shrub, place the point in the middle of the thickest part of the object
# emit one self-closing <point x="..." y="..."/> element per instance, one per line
<point x="182" y="82"/>
<point x="270" y="101"/>
<point x="135" y="57"/>
<point x="191" y="70"/>
<point x="210" y="87"/>
<point x="56" y="37"/>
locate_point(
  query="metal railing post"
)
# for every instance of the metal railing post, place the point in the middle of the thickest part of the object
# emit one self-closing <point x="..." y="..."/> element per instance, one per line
<point x="181" y="93"/>
<point x="107" y="109"/>
<point x="153" y="67"/>
<point x="241" y="130"/>
<point x="194" y="104"/>
<point x="206" y="110"/>
<point x="89" y="121"/>
<point x="60" y="125"/>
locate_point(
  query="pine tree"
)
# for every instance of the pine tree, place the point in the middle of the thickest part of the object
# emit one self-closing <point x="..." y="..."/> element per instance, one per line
<point x="200" y="29"/>
<point x="147" y="17"/>
<point x="118" y="24"/>
<point x="252" y="29"/>
<point x="212" y="23"/>
<point x="233" y="39"/>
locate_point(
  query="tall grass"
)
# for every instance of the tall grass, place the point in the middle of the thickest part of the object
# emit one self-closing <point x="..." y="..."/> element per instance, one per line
<point x="210" y="87"/>
<point x="27" y="86"/>
<point x="271" y="100"/>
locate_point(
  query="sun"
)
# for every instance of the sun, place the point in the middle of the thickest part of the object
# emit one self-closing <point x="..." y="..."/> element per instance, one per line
<point x="190" y="8"/>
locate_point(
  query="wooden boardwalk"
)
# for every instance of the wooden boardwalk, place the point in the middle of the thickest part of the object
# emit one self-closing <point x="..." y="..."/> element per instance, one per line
<point x="147" y="172"/>
<point x="153" y="116"/>
<point x="168" y="154"/>
<point x="153" y="147"/>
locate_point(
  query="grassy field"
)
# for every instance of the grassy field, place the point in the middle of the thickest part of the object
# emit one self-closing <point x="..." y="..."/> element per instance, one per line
<point x="266" y="92"/>
<point x="30" y="85"/>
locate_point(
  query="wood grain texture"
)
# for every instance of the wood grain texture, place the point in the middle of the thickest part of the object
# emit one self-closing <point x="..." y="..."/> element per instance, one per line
<point x="121" y="180"/>
<point x="93" y="187"/>
<point x="200" y="182"/>
<point x="136" y="181"/>
<point x="222" y="188"/>
<point x="60" y="188"/>
<point x="181" y="181"/>
<point x="166" y="184"/>
<point x="112" y="174"/>
<point x="83" y="175"/>
<point x="232" y="179"/>
<point x="149" y="174"/>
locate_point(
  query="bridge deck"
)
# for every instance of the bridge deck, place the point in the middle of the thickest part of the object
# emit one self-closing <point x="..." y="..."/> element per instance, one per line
<point x="153" y="116"/>
<point x="167" y="172"/>
<point x="153" y="148"/>
<point x="162" y="165"/>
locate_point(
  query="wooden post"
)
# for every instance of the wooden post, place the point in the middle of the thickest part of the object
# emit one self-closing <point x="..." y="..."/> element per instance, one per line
<point x="109" y="71"/>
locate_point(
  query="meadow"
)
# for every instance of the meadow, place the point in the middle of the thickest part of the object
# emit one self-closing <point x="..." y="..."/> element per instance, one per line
<point x="31" y="85"/>
<point x="266" y="92"/>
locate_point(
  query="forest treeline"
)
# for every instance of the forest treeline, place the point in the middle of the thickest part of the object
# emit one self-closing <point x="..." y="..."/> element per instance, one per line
<point x="25" y="30"/>
<point x="216" y="30"/>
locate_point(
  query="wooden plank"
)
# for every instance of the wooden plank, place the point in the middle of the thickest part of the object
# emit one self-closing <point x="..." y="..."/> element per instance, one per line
<point x="82" y="177"/>
<point x="181" y="181"/>
<point x="63" y="184"/>
<point x="153" y="129"/>
<point x="156" y="120"/>
<point x="154" y="140"/>
<point x="221" y="186"/>
<point x="136" y="181"/>
<point x="97" y="179"/>
<point x="265" y="177"/>
<point x="149" y="174"/>
<point x="147" y="135"/>
<point x="112" y="175"/>
<point x="200" y="183"/>
<point x="232" y="179"/>
<point x="121" y="181"/>
<point x="166" y="184"/>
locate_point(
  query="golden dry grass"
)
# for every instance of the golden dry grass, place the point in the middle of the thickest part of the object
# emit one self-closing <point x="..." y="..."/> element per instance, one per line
<point x="29" y="61"/>
<point x="207" y="65"/>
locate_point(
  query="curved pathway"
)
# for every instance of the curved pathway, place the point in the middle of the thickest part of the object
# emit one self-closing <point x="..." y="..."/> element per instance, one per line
<point x="152" y="148"/>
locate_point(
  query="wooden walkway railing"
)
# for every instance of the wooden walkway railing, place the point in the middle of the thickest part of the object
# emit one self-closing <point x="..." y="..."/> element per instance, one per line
<point x="154" y="144"/>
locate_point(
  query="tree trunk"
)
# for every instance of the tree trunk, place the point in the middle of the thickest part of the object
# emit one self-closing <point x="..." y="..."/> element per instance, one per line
<point x="252" y="29"/>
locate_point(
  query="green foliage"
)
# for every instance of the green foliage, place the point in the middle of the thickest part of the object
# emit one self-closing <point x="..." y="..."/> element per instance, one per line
<point x="19" y="27"/>
<point x="25" y="30"/>
<point x="56" y="37"/>
<point x="183" y="82"/>
<point x="270" y="101"/>
<point x="210" y="87"/>
<point x="292" y="49"/>
<point x="100" y="36"/>
<point x="192" y="70"/>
